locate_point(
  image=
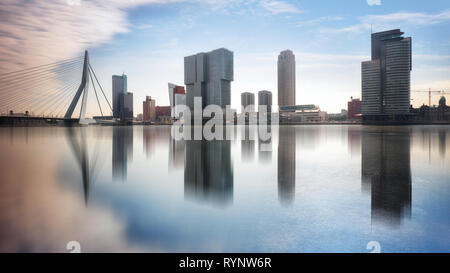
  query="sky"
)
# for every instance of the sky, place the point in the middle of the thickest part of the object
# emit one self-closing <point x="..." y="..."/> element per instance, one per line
<point x="148" y="39"/>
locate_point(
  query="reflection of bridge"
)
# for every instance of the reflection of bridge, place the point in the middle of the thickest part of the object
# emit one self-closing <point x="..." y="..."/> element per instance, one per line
<point x="49" y="94"/>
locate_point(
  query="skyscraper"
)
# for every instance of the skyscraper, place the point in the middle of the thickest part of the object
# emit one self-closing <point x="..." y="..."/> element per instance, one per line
<point x="126" y="106"/>
<point x="286" y="78"/>
<point x="119" y="86"/>
<point x="209" y="75"/>
<point x="386" y="78"/>
<point x="265" y="98"/>
<point x="247" y="99"/>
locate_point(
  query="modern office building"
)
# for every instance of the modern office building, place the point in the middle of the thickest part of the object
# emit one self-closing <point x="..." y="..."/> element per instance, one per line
<point x="209" y="76"/>
<point x="148" y="109"/>
<point x="265" y="98"/>
<point x="177" y="96"/>
<point x="354" y="108"/>
<point x="247" y="100"/>
<point x="286" y="78"/>
<point x="119" y="86"/>
<point x="126" y="106"/>
<point x="386" y="78"/>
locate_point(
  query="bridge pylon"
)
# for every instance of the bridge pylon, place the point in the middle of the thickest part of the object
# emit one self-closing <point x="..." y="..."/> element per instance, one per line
<point x="82" y="89"/>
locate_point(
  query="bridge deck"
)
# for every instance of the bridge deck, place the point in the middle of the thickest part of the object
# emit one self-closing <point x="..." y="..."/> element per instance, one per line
<point x="29" y="121"/>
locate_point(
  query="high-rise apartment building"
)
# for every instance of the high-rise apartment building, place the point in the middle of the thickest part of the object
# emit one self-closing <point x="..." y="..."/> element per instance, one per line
<point x="386" y="78"/>
<point x="265" y="98"/>
<point x="209" y="76"/>
<point x="119" y="86"/>
<point x="248" y="99"/>
<point x="148" y="109"/>
<point x="286" y="78"/>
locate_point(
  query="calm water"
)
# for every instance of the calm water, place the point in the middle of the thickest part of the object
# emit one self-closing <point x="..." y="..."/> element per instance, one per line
<point x="308" y="189"/>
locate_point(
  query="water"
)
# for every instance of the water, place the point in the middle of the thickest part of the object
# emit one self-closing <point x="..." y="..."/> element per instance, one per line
<point x="308" y="189"/>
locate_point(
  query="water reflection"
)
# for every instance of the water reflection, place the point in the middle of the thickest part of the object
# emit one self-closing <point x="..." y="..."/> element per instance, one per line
<point x="248" y="142"/>
<point x="176" y="154"/>
<point x="122" y="151"/>
<point x="79" y="150"/>
<point x="286" y="165"/>
<point x="354" y="140"/>
<point x="265" y="147"/>
<point x="214" y="197"/>
<point x="386" y="173"/>
<point x="208" y="171"/>
<point x="442" y="142"/>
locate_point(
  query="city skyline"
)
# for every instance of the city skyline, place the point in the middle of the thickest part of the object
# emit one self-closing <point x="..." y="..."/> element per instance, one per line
<point x="329" y="42"/>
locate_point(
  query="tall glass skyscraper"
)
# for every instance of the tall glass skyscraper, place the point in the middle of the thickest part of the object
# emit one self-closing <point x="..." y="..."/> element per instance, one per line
<point x="386" y="78"/>
<point x="119" y="86"/>
<point x="286" y="78"/>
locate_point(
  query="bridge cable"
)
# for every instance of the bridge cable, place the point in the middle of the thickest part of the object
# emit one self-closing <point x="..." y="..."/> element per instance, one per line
<point x="95" y="91"/>
<point x="93" y="72"/>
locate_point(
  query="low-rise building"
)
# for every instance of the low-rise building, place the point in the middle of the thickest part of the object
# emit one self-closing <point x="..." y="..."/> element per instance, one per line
<point x="302" y="113"/>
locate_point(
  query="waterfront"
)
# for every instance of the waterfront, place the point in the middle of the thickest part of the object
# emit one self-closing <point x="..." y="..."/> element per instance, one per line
<point x="309" y="189"/>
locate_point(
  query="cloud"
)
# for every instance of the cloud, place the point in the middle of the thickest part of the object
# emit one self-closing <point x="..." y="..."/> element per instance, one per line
<point x="374" y="2"/>
<point x="318" y="21"/>
<point x="40" y="32"/>
<point x="276" y="7"/>
<point x="392" y="20"/>
<point x="411" y="18"/>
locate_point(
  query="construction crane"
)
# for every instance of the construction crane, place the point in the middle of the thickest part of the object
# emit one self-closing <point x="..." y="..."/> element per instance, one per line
<point x="432" y="92"/>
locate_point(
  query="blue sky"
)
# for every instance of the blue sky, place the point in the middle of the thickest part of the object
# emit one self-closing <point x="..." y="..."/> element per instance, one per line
<point x="147" y="40"/>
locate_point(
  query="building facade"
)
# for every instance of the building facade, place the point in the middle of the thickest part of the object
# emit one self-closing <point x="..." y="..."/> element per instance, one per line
<point x="177" y="96"/>
<point x="119" y="86"/>
<point x="286" y="78"/>
<point x="209" y="76"/>
<point x="247" y="99"/>
<point x="308" y="113"/>
<point x="163" y="113"/>
<point x="354" y="108"/>
<point x="386" y="78"/>
<point x="265" y="98"/>
<point x="126" y="106"/>
<point x="148" y="109"/>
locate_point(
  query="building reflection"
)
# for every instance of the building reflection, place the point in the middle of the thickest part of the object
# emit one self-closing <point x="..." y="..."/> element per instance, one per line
<point x="149" y="140"/>
<point x="176" y="154"/>
<point x="386" y="173"/>
<point x="208" y="171"/>
<point x="122" y="151"/>
<point x="80" y="151"/>
<point x="442" y="142"/>
<point x="354" y="140"/>
<point x="265" y="147"/>
<point x="248" y="143"/>
<point x="286" y="165"/>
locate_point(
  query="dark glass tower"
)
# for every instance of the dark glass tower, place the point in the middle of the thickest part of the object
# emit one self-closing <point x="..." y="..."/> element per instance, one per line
<point x="386" y="78"/>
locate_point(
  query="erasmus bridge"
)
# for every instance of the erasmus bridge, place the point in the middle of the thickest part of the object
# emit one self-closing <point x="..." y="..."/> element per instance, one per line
<point x="51" y="93"/>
